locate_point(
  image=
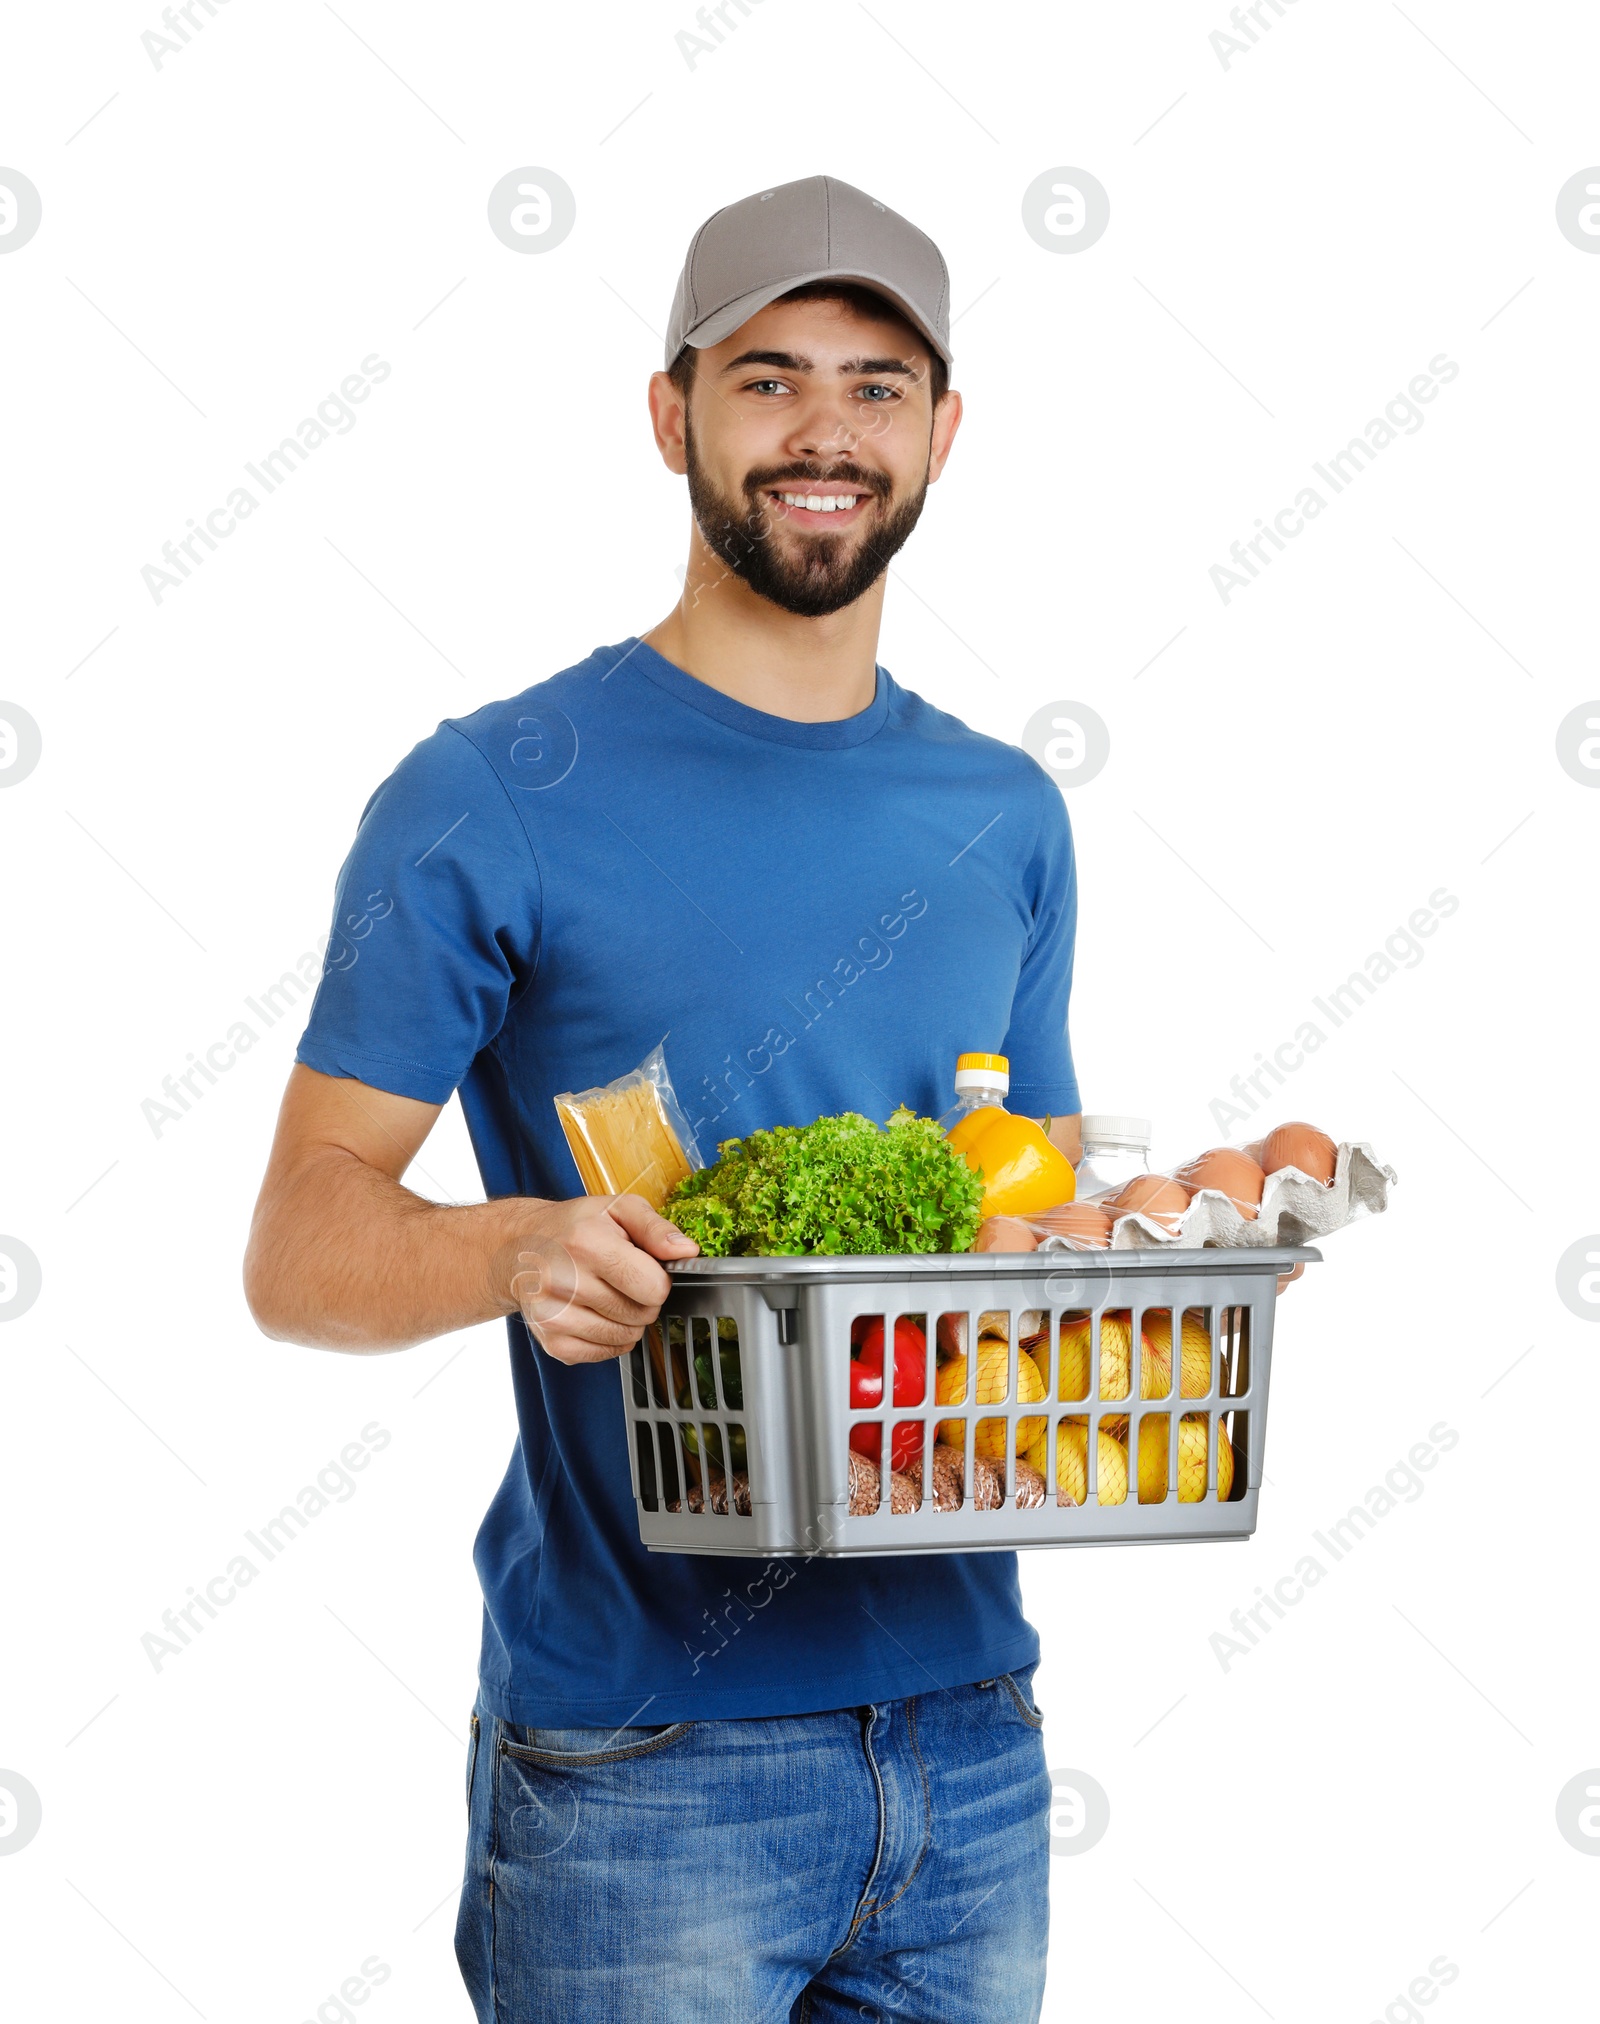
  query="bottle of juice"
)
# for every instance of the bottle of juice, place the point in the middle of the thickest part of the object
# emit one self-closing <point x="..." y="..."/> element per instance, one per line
<point x="1022" y="1171"/>
<point x="982" y="1081"/>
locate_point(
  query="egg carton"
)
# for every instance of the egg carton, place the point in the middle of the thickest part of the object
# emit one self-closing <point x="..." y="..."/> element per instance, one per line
<point x="1294" y="1210"/>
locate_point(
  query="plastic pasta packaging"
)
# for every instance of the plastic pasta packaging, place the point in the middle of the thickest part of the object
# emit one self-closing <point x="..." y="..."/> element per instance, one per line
<point x="630" y="1137"/>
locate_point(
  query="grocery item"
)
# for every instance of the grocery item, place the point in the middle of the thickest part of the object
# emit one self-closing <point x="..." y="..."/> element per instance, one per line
<point x="988" y="1482"/>
<point x="905" y="1494"/>
<point x="1005" y="1233"/>
<point x="1229" y="1172"/>
<point x="866" y="1386"/>
<point x="952" y="1331"/>
<point x="982" y="1082"/>
<point x="866" y="1488"/>
<point x="1022" y="1171"/>
<point x="1116" y="1332"/>
<point x="1290" y="1186"/>
<point x="1294" y="1209"/>
<point x="720" y="1490"/>
<point x="668" y="1340"/>
<point x="1303" y="1147"/>
<point x="1154" y="1430"/>
<point x="629" y="1137"/>
<point x="865" y="1484"/>
<point x="1072" y="1465"/>
<point x="839" y="1186"/>
<point x="1155" y="1363"/>
<point x="1116" y="1150"/>
<point x="1153" y="1195"/>
<point x="1154" y="1433"/>
<point x="713" y="1446"/>
<point x="1155" y="1356"/>
<point x="947" y="1478"/>
<point x="1086" y="1224"/>
<point x="990" y="1435"/>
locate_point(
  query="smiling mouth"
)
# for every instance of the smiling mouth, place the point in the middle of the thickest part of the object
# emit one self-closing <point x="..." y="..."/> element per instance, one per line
<point x="829" y="506"/>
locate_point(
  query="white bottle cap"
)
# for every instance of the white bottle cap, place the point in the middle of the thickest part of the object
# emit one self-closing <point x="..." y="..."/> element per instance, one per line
<point x="1101" y="1127"/>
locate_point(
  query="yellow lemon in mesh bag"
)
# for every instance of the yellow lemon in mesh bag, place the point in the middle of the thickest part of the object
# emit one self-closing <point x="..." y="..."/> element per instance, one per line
<point x="1154" y="1434"/>
<point x="1072" y="1465"/>
<point x="1194" y="1370"/>
<point x="1116" y="1332"/>
<point x="1155" y="1357"/>
<point x="951" y="1389"/>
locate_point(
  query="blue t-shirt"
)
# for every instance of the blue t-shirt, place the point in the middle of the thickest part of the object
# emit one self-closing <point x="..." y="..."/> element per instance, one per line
<point x="818" y="918"/>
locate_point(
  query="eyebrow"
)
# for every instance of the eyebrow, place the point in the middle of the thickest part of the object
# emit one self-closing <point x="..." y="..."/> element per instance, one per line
<point x="790" y="361"/>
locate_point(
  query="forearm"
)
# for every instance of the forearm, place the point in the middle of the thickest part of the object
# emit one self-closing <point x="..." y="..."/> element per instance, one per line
<point x="342" y="1257"/>
<point x="1066" y="1134"/>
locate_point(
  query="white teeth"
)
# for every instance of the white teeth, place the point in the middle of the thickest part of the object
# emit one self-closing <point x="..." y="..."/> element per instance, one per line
<point x="817" y="502"/>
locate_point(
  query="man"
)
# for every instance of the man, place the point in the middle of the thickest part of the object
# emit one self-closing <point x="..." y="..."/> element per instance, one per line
<point x="739" y="832"/>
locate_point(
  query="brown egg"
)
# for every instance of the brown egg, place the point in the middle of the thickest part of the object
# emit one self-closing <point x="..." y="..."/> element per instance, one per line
<point x="1153" y="1195"/>
<point x="1083" y="1222"/>
<point x="1253" y="1150"/>
<point x="1005" y="1233"/>
<point x="1301" y="1146"/>
<point x="1231" y="1173"/>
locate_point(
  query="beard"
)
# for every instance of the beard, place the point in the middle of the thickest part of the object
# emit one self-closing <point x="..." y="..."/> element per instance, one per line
<point x="809" y="574"/>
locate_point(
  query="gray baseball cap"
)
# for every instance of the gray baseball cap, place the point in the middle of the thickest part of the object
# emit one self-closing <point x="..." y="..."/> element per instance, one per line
<point x="818" y="229"/>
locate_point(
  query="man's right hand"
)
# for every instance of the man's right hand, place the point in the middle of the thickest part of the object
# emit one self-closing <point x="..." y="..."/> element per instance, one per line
<point x="343" y="1256"/>
<point x="584" y="1274"/>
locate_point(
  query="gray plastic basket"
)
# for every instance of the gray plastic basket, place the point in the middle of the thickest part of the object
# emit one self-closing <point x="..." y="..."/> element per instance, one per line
<point x="790" y="1330"/>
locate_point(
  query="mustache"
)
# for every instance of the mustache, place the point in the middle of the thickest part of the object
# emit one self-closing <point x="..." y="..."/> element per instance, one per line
<point x="842" y="474"/>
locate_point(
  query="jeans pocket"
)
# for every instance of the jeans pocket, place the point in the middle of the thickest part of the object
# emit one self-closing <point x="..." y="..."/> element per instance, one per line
<point x="573" y="1748"/>
<point x="472" y="1759"/>
<point x="1019" y="1686"/>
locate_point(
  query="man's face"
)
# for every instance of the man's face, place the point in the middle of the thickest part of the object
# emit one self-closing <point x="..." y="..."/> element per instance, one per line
<point x="809" y="446"/>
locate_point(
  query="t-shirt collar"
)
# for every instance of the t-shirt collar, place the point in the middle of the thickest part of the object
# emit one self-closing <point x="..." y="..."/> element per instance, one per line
<point x="832" y="735"/>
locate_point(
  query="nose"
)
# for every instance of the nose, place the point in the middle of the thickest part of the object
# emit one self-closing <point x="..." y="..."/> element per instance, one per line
<point x="823" y="427"/>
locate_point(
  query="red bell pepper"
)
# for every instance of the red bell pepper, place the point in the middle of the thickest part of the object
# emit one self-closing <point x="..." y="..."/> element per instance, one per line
<point x="910" y="1386"/>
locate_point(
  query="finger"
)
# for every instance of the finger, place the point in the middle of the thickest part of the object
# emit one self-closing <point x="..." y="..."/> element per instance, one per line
<point x="649" y="1231"/>
<point x="557" y="1298"/>
<point x="601" y="1248"/>
<point x="598" y="1266"/>
<point x="582" y="1337"/>
<point x="600" y="1295"/>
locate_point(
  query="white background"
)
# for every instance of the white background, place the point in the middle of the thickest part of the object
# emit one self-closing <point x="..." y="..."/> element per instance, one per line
<point x="1292" y="773"/>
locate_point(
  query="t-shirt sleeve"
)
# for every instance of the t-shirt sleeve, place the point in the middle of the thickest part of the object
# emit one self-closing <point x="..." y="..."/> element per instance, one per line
<point x="1042" y="1077"/>
<point x="435" y="927"/>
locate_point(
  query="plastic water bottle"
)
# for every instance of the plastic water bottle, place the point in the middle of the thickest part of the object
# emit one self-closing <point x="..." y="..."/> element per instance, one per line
<point x="983" y="1082"/>
<point x="1115" y="1150"/>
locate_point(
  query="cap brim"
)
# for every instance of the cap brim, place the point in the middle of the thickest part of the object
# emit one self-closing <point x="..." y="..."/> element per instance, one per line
<point x="725" y="321"/>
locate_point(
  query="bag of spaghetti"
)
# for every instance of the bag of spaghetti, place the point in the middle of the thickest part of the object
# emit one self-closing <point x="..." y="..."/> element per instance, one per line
<point x="630" y="1137"/>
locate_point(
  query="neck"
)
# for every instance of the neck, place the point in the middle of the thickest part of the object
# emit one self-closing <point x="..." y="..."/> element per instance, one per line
<point x="810" y="670"/>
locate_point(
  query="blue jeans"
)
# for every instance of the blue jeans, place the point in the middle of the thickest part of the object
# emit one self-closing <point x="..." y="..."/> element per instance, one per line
<point x="887" y="1863"/>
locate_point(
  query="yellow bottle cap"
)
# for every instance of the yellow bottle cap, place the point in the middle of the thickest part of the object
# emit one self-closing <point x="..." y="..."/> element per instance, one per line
<point x="998" y="1061"/>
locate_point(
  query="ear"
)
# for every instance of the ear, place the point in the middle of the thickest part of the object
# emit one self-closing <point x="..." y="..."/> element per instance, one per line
<point x="669" y="418"/>
<point x="946" y="420"/>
